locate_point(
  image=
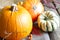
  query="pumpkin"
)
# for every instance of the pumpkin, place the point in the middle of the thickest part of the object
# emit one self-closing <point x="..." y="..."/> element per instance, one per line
<point x="16" y="23"/>
<point x="48" y="21"/>
<point x="34" y="7"/>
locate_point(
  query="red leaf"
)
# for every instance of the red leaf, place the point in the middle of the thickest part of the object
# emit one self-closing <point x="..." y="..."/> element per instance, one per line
<point x="36" y="31"/>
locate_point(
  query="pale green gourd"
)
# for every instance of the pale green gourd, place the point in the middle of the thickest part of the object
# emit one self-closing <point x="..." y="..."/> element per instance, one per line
<point x="48" y="21"/>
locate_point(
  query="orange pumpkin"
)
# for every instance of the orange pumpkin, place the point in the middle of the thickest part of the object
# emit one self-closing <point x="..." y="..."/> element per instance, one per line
<point x="16" y="23"/>
<point x="35" y="7"/>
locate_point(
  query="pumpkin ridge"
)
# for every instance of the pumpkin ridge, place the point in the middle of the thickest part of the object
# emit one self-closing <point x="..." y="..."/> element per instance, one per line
<point x="52" y="26"/>
<point x="6" y="30"/>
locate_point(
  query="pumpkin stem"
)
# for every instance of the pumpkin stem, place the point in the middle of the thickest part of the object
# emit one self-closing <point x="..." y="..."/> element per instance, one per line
<point x="11" y="8"/>
<point x="20" y="3"/>
<point x="14" y="8"/>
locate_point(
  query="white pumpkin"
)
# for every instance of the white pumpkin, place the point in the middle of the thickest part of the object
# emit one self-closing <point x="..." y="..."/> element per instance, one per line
<point x="48" y="21"/>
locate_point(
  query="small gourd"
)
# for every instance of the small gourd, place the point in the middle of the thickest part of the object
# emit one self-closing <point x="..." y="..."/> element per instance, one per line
<point x="48" y="21"/>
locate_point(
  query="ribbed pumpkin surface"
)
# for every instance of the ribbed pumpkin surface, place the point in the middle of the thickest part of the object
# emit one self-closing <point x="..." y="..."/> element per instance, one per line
<point x="15" y="25"/>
